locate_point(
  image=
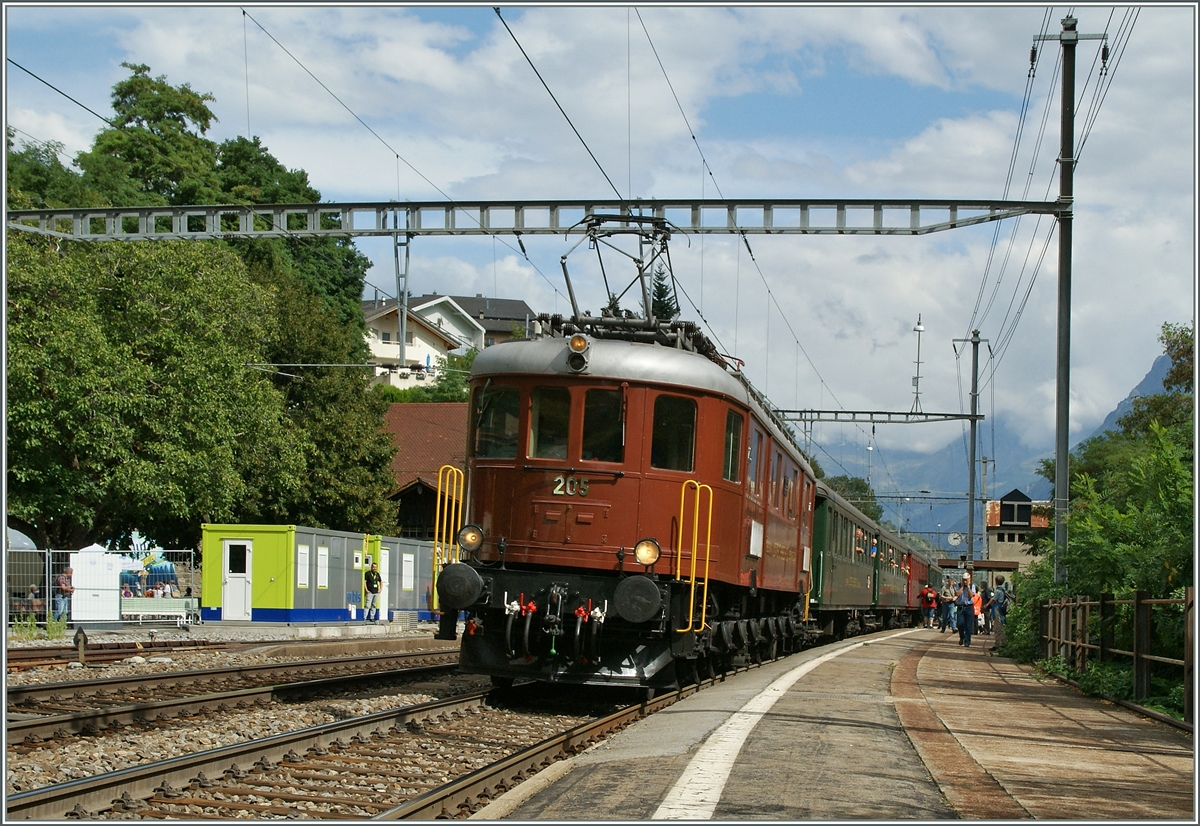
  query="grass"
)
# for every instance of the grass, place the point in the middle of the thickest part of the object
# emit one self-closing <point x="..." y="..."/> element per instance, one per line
<point x="25" y="627"/>
<point x="56" y="629"/>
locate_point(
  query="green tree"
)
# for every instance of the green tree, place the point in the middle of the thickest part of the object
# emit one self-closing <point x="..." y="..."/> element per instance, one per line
<point x="347" y="454"/>
<point x="1131" y="520"/>
<point x="335" y="469"/>
<point x="37" y="178"/>
<point x="155" y="153"/>
<point x="662" y="301"/>
<point x="858" y="492"/>
<point x="130" y="405"/>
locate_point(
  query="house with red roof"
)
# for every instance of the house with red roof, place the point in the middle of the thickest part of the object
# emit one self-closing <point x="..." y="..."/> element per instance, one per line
<point x="427" y="436"/>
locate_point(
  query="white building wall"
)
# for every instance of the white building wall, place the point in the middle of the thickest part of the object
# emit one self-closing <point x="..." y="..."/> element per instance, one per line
<point x="423" y="349"/>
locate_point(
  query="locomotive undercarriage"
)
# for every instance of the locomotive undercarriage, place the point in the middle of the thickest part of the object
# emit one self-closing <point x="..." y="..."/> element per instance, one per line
<point x="601" y="630"/>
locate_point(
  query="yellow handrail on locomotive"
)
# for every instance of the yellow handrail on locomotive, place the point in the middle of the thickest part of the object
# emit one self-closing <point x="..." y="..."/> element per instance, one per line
<point x="692" y="483"/>
<point x="447" y="519"/>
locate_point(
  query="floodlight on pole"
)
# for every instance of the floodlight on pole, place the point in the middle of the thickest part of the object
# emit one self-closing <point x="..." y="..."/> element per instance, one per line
<point x="918" y="329"/>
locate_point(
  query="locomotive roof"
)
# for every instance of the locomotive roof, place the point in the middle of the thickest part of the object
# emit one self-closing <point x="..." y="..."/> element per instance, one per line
<point x="622" y="360"/>
<point x="612" y="359"/>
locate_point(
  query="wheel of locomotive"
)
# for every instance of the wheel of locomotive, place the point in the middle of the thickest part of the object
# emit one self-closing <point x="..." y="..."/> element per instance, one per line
<point x="772" y="649"/>
<point x="704" y="666"/>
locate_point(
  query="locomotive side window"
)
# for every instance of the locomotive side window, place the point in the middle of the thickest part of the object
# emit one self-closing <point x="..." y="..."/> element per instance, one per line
<point x="603" y="426"/>
<point x="776" y="484"/>
<point x="549" y="420"/>
<point x="497" y="413"/>
<point x="756" y="449"/>
<point x="733" y="446"/>
<point x="674" y="433"/>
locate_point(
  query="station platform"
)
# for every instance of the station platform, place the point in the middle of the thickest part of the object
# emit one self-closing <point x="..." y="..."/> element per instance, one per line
<point x="897" y="725"/>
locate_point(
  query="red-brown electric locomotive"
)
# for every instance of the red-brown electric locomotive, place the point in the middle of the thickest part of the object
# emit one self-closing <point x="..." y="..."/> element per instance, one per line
<point x="638" y="515"/>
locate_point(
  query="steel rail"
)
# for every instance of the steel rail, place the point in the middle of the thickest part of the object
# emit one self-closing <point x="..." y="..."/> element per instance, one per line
<point x="98" y="793"/>
<point x="60" y="725"/>
<point x="472" y="790"/>
<point x="17" y="695"/>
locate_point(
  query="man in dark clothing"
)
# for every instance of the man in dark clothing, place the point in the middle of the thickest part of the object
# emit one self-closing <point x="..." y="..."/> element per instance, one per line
<point x="373" y="582"/>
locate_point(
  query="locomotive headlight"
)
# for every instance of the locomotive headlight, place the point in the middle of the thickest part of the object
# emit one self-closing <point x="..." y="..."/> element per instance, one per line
<point x="577" y="358"/>
<point x="470" y="538"/>
<point x="647" y="552"/>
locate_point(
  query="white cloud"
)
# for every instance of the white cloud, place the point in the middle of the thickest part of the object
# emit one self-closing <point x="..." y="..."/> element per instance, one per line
<point x="466" y="110"/>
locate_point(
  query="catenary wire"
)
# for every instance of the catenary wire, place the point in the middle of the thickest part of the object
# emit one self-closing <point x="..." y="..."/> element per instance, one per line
<point x="592" y="155"/>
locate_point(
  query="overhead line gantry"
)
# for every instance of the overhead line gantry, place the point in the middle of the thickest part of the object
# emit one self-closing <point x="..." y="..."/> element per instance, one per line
<point x="779" y="216"/>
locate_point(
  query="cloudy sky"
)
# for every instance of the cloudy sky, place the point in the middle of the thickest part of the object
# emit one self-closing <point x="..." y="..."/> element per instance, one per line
<point x="784" y="101"/>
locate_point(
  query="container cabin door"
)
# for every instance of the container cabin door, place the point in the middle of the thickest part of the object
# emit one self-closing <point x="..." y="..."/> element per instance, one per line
<point x="235" y="585"/>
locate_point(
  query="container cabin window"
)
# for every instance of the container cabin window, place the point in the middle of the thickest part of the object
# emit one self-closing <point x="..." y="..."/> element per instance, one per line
<point x="603" y="426"/>
<point x="549" y="420"/>
<point x="733" y="446"/>
<point x="497" y="414"/>
<point x="674" y="439"/>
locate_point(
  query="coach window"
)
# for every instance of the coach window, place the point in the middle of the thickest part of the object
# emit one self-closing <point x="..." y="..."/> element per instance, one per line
<point x="673" y="444"/>
<point x="603" y="426"/>
<point x="549" y="419"/>
<point x="497" y="413"/>
<point x="733" y="446"/>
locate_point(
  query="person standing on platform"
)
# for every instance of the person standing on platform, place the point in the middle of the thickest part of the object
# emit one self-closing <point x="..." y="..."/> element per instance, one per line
<point x="373" y="583"/>
<point x="989" y="608"/>
<point x="1003" y="596"/>
<point x="929" y="602"/>
<point x="946" y="600"/>
<point x="62" y="594"/>
<point x="964" y="601"/>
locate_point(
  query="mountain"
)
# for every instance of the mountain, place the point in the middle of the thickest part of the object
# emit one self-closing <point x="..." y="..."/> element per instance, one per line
<point x="935" y="484"/>
<point x="1151" y="385"/>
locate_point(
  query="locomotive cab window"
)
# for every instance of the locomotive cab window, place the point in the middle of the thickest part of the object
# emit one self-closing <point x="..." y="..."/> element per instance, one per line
<point x="733" y="446"/>
<point x="673" y="444"/>
<point x="549" y="421"/>
<point x="497" y="412"/>
<point x="603" y="426"/>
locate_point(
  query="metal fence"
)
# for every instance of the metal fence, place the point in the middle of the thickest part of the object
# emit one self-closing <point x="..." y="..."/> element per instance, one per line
<point x="101" y="582"/>
<point x="1084" y="628"/>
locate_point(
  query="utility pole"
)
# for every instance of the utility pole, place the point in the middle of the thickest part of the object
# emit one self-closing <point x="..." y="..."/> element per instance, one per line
<point x="401" y="293"/>
<point x="916" y="407"/>
<point x="1066" y="196"/>
<point x="974" y="339"/>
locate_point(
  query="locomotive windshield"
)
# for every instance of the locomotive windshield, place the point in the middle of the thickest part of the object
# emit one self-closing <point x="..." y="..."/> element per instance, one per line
<point x="603" y="426"/>
<point x="497" y="414"/>
<point x="549" y="420"/>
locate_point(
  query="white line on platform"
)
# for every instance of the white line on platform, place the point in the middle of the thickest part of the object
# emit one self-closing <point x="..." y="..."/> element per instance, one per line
<point x="696" y="794"/>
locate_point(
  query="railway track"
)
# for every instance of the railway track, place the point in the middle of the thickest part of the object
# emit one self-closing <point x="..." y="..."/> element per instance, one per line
<point x="38" y="713"/>
<point x="444" y="758"/>
<point x="98" y="653"/>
